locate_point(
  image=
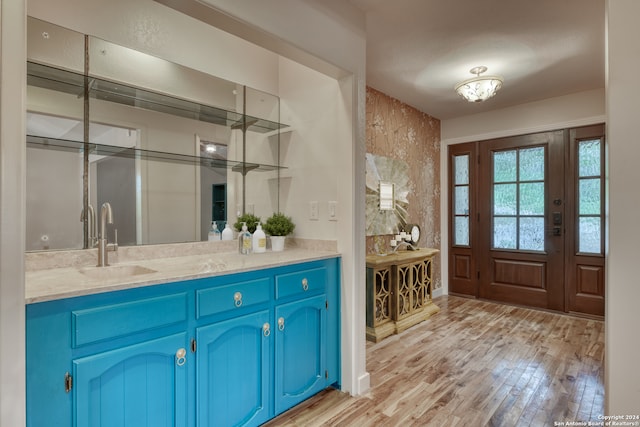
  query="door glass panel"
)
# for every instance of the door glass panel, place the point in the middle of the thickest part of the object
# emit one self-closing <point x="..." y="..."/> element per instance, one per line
<point x="589" y="163"/>
<point x="589" y="194"/>
<point x="532" y="198"/>
<point x="504" y="166"/>
<point x="590" y="206"/>
<point x="461" y="231"/>
<point x="519" y="199"/>
<point x="505" y="233"/>
<point x="532" y="233"/>
<point x="590" y="235"/>
<point x="531" y="164"/>
<point x="461" y="208"/>
<point x="461" y="166"/>
<point x="504" y="199"/>
<point x="462" y="200"/>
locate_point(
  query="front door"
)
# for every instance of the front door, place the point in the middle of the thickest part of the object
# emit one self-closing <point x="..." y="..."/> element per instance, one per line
<point x="527" y="220"/>
<point x="522" y="220"/>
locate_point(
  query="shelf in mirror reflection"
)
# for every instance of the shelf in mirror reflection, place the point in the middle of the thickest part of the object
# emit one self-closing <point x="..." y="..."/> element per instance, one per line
<point x="65" y="81"/>
<point x="134" y="153"/>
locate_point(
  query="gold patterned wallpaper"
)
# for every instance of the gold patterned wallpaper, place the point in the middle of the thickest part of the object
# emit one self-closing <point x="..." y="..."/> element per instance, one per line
<point x="399" y="131"/>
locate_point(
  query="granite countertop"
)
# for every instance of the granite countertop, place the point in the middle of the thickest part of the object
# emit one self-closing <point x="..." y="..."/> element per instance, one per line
<point x="76" y="280"/>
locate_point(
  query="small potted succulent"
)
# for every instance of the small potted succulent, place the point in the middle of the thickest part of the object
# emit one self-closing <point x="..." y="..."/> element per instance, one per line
<point x="251" y="220"/>
<point x="278" y="226"/>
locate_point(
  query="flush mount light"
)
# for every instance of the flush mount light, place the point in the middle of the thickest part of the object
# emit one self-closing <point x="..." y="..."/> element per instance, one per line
<point x="211" y="148"/>
<point x="479" y="88"/>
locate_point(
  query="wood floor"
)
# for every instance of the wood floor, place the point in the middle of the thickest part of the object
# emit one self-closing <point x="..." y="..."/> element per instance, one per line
<point x="473" y="364"/>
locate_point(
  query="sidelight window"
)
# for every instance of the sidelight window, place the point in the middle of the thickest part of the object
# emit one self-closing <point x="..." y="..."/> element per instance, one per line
<point x="461" y="200"/>
<point x="590" y="196"/>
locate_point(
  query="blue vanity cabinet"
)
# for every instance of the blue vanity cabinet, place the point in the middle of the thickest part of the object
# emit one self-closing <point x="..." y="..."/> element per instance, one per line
<point x="307" y="335"/>
<point x="232" y="372"/>
<point x="300" y="355"/>
<point x="101" y="359"/>
<point x="194" y="353"/>
<point x="139" y="385"/>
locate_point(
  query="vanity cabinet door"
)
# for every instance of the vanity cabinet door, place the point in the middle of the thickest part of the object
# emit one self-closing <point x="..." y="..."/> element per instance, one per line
<point x="136" y="386"/>
<point x="300" y="355"/>
<point x="233" y="371"/>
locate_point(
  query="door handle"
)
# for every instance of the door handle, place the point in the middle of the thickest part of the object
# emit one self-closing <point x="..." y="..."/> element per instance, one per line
<point x="181" y="356"/>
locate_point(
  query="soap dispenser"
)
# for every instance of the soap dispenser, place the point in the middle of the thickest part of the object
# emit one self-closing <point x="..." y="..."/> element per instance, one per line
<point x="227" y="233"/>
<point x="244" y="240"/>
<point x="259" y="240"/>
<point x="214" y="233"/>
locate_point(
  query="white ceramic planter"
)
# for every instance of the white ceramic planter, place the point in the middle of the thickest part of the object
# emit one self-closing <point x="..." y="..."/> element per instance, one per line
<point x="277" y="243"/>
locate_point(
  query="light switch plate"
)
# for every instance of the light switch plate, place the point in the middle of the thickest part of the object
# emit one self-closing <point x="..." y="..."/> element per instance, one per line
<point x="313" y="210"/>
<point x="333" y="210"/>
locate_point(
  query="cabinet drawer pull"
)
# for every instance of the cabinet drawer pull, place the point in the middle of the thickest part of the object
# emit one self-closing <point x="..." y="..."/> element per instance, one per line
<point x="266" y="329"/>
<point x="281" y="323"/>
<point x="181" y="357"/>
<point x="237" y="299"/>
<point x="305" y="284"/>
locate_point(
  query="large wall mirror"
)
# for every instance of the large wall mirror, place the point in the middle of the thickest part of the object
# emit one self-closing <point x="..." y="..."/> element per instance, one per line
<point x="170" y="148"/>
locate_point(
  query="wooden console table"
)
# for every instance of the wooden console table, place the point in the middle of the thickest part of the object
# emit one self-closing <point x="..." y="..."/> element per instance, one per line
<point x="399" y="291"/>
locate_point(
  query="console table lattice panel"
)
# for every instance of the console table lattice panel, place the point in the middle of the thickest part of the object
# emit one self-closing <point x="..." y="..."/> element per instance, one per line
<point x="398" y="291"/>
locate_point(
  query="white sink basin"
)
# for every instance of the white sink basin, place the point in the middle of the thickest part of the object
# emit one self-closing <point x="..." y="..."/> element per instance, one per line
<point x="115" y="271"/>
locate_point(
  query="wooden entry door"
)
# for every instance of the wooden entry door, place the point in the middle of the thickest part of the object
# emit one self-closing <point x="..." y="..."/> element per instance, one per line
<point x="527" y="220"/>
<point x="522" y="220"/>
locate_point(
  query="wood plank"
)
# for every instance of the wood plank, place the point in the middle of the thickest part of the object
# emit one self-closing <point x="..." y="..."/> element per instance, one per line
<point x="474" y="363"/>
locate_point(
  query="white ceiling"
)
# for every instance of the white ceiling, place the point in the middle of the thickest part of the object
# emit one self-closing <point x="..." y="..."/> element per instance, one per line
<point x="417" y="50"/>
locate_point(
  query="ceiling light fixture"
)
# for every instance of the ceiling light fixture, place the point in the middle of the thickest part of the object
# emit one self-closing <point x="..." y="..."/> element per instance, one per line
<point x="479" y="88"/>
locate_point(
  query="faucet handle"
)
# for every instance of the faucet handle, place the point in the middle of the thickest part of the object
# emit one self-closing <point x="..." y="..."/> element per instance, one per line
<point x="113" y="246"/>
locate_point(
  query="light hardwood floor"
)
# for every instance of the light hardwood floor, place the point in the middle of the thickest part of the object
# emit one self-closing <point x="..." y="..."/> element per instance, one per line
<point x="473" y="364"/>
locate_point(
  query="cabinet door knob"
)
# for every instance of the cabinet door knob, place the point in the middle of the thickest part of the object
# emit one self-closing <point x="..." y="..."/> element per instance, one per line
<point x="281" y="323"/>
<point x="266" y="329"/>
<point x="305" y="284"/>
<point x="181" y="356"/>
<point x="237" y="299"/>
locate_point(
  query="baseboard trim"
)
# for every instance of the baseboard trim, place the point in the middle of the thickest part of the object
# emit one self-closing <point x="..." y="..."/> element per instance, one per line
<point x="364" y="383"/>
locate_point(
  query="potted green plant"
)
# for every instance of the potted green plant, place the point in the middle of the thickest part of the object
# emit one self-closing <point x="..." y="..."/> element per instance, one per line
<point x="251" y="220"/>
<point x="278" y="226"/>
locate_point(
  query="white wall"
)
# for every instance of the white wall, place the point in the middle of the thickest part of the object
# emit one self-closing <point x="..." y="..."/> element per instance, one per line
<point x="573" y="110"/>
<point x="12" y="211"/>
<point x="622" y="346"/>
<point x="309" y="151"/>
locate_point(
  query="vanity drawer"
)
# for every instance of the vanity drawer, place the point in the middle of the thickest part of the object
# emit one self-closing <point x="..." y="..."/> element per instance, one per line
<point x="117" y="320"/>
<point x="301" y="282"/>
<point x="231" y="297"/>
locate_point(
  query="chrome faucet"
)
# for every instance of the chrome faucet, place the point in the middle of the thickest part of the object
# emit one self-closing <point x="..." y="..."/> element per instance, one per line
<point x="106" y="217"/>
<point x="91" y="220"/>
